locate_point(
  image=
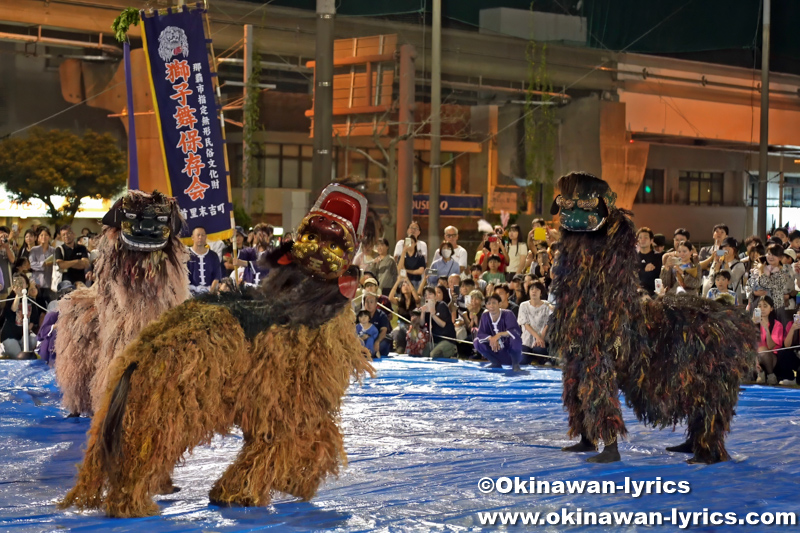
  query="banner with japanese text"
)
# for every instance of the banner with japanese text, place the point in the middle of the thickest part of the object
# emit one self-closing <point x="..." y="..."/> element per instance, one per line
<point x="186" y="110"/>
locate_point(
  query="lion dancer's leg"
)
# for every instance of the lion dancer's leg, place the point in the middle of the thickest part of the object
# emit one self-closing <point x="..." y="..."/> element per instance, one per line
<point x="248" y="480"/>
<point x="592" y="397"/>
<point x="707" y="434"/>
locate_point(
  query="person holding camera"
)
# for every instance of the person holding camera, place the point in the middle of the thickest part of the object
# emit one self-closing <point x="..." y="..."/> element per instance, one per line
<point x="7" y="259"/>
<point x="412" y="261"/>
<point x="681" y="273"/>
<point x="436" y="313"/>
<point x="421" y="247"/>
<point x="383" y="267"/>
<point x="12" y="333"/>
<point x="726" y="259"/>
<point x="493" y="246"/>
<point x="770" y="276"/>
<point x="404" y="301"/>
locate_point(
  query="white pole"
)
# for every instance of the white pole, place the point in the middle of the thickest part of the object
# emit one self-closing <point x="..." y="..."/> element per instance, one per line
<point x="25" y="341"/>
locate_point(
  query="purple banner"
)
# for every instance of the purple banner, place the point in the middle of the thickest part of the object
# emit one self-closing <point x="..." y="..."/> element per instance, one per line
<point x="186" y="110"/>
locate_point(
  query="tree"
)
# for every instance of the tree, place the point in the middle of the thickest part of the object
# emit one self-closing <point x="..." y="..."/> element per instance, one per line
<point x="59" y="163"/>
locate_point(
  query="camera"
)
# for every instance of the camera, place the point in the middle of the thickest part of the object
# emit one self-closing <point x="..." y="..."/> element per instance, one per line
<point x="402" y="272"/>
<point x="432" y="272"/>
<point x="493" y="238"/>
<point x="757" y="313"/>
<point x="720" y="253"/>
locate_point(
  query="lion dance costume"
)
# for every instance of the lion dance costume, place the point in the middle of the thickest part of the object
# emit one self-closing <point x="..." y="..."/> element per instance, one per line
<point x="676" y="359"/>
<point x="140" y="273"/>
<point x="275" y="361"/>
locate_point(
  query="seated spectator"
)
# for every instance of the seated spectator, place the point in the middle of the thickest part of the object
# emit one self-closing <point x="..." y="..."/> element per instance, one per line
<point x="378" y="318"/>
<point x="794" y="241"/>
<point x="533" y="316"/>
<point x="366" y="331"/>
<point x="494" y="275"/>
<point x="783" y="235"/>
<point x="681" y="273"/>
<point x="787" y="366"/>
<point x="772" y="337"/>
<point x="205" y="268"/>
<point x="730" y="263"/>
<point x="12" y="333"/>
<point x="384" y="267"/>
<point x="444" y="266"/>
<point x="541" y="271"/>
<point x="517" y="290"/>
<point x="412" y="261"/>
<point x="464" y="289"/>
<point x="404" y="302"/>
<point x="417" y="337"/>
<point x="371" y="287"/>
<point x="475" y="272"/>
<point x="504" y="292"/>
<point x="436" y="313"/>
<point x="254" y="270"/>
<point x="790" y="291"/>
<point x="498" y="338"/>
<point x="721" y="281"/>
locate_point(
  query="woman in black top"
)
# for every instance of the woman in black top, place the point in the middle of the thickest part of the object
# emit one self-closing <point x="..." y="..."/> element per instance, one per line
<point x="412" y="261"/>
<point x="29" y="241"/>
<point x="404" y="301"/>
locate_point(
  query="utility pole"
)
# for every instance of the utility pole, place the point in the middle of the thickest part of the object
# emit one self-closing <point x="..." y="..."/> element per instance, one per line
<point x="248" y="95"/>
<point x="322" y="162"/>
<point x="434" y="235"/>
<point x="763" y="163"/>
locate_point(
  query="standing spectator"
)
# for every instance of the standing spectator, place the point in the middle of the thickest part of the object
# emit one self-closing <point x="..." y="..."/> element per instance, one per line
<point x="254" y="270"/>
<point x="445" y="265"/>
<point x="41" y="259"/>
<point x="28" y="242"/>
<point x="7" y="259"/>
<point x="459" y="253"/>
<point x="205" y="269"/>
<point x="412" y="261"/>
<point x="493" y="275"/>
<point x="422" y="248"/>
<point x="783" y="235"/>
<point x="707" y="252"/>
<point x="533" y="316"/>
<point x="436" y="313"/>
<point x="366" y="331"/>
<point x="541" y="271"/>
<point x="384" y="267"/>
<point x="517" y="252"/>
<point x="71" y="258"/>
<point x="752" y="290"/>
<point x="771" y="276"/>
<point x="404" y="301"/>
<point x="498" y="338"/>
<point x="493" y="246"/>
<point x="681" y="274"/>
<point x="721" y="281"/>
<point x="227" y="254"/>
<point x="789" y="292"/>
<point x="772" y="337"/>
<point x="727" y="262"/>
<point x="383" y="344"/>
<point x="659" y="243"/>
<point x="649" y="261"/>
<point x="536" y="223"/>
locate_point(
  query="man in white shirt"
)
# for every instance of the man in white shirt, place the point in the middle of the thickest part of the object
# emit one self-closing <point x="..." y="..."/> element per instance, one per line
<point x="459" y="253"/>
<point x="413" y="229"/>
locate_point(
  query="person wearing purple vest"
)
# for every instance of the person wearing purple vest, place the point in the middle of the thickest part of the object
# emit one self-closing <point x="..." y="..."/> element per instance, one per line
<point x="254" y="272"/>
<point x="499" y="337"/>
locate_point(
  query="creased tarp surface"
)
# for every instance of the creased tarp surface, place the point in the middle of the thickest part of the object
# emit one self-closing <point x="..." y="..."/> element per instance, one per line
<point x="420" y="436"/>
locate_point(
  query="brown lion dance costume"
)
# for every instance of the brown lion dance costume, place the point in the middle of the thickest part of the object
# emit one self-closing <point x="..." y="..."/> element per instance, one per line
<point x="140" y="273"/>
<point x="275" y="361"/>
<point x="676" y="359"/>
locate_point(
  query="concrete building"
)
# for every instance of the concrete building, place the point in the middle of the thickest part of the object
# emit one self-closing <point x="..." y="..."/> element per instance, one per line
<point x="678" y="140"/>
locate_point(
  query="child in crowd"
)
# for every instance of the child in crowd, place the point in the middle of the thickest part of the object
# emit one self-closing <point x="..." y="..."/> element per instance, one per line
<point x="416" y="336"/>
<point x="366" y="331"/>
<point x="721" y="281"/>
<point x="493" y="275"/>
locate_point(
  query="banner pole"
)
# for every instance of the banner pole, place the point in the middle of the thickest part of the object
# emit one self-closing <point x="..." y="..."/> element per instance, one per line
<point x="133" y="157"/>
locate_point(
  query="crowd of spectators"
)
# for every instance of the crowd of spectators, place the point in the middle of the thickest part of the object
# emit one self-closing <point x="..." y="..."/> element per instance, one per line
<point x="490" y="304"/>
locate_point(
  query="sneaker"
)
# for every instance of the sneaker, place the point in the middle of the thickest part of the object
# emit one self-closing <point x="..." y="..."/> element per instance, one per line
<point x="772" y="379"/>
<point x="787" y="382"/>
<point x="762" y="378"/>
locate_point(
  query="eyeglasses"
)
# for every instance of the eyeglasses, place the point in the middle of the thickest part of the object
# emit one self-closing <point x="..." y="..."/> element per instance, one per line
<point x="451" y="234"/>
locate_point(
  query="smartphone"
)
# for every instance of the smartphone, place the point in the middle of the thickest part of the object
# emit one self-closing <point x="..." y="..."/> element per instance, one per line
<point x="402" y="272"/>
<point x="720" y="252"/>
<point x="659" y="285"/>
<point x="796" y="318"/>
<point x="409" y="241"/>
<point x="14" y="227"/>
<point x="432" y="272"/>
<point x="540" y="234"/>
<point x="757" y="313"/>
<point x="493" y="238"/>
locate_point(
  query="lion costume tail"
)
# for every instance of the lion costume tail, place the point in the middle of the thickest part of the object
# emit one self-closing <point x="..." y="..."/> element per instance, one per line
<point x="112" y="424"/>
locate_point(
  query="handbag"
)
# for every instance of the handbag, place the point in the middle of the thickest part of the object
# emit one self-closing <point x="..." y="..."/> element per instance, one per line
<point x="57" y="274"/>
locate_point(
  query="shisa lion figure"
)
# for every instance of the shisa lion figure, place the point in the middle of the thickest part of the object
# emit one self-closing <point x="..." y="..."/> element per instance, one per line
<point x="275" y="361"/>
<point x="676" y="359"/>
<point x="140" y="273"/>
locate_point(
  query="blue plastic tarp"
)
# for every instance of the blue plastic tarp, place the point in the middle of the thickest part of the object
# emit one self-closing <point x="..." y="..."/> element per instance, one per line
<point x="420" y="436"/>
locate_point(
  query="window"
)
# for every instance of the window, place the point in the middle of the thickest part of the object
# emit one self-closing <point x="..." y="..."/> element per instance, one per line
<point x="700" y="188"/>
<point x="652" y="189"/>
<point x="791" y="192"/>
<point x="285" y="166"/>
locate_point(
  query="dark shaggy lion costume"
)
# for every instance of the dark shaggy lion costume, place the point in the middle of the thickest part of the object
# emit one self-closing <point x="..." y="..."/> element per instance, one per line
<point x="275" y="361"/>
<point x="676" y="359"/>
<point x="132" y="288"/>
